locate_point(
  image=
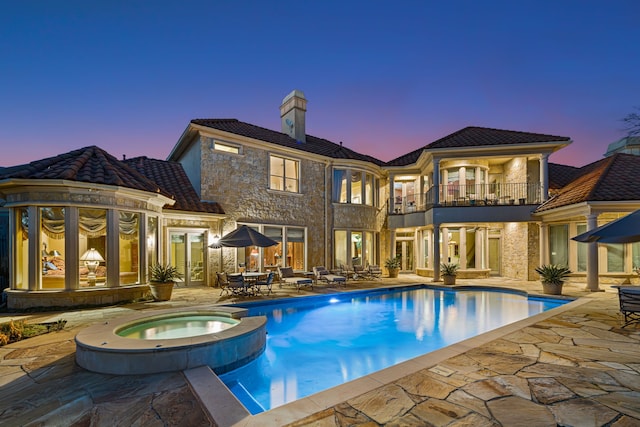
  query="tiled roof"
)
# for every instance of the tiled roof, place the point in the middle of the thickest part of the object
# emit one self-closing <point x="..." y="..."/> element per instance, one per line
<point x="90" y="164"/>
<point x="610" y="179"/>
<point x="474" y="136"/>
<point x="561" y="175"/>
<point x="173" y="179"/>
<point x="313" y="145"/>
<point x="96" y="166"/>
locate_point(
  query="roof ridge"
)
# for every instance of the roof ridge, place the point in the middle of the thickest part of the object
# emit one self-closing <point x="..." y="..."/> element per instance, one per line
<point x="609" y="161"/>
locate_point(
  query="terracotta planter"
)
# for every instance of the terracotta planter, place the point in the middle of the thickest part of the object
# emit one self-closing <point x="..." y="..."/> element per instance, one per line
<point x="161" y="291"/>
<point x="393" y="272"/>
<point x="449" y="280"/>
<point x="551" y="288"/>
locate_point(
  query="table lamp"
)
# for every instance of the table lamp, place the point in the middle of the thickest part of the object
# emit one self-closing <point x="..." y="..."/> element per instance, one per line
<point x="92" y="259"/>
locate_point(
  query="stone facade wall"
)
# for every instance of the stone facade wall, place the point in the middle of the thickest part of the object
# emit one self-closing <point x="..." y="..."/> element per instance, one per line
<point x="515" y="170"/>
<point x="240" y="183"/>
<point x="533" y="244"/>
<point x="515" y="251"/>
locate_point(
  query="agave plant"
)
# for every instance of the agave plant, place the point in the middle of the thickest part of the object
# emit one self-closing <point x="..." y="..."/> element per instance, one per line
<point x="392" y="263"/>
<point x="554" y="274"/>
<point x="449" y="269"/>
<point x="164" y="273"/>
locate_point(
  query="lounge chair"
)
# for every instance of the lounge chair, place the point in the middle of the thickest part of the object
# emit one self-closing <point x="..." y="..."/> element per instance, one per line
<point x="359" y="272"/>
<point x="375" y="272"/>
<point x="288" y="277"/>
<point x="324" y="275"/>
<point x="629" y="297"/>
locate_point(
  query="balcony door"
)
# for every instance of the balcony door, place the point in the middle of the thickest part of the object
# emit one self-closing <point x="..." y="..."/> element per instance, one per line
<point x="187" y="249"/>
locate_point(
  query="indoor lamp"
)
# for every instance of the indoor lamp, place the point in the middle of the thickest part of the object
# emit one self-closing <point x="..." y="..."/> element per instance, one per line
<point x="92" y="259"/>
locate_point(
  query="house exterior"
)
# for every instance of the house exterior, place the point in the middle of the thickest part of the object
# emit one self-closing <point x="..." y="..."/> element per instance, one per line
<point x="485" y="199"/>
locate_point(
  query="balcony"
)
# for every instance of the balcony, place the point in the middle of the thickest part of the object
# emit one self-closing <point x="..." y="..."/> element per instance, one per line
<point x="511" y="194"/>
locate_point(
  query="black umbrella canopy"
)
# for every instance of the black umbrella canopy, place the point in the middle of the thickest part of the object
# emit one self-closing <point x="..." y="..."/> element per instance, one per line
<point x="245" y="236"/>
<point x="622" y="230"/>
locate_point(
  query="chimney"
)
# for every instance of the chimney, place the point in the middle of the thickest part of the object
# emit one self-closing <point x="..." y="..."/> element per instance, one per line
<point x="292" y="115"/>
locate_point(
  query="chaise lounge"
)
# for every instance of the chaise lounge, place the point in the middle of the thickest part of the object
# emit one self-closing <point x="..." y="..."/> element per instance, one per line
<point x="322" y="274"/>
<point x="288" y="277"/>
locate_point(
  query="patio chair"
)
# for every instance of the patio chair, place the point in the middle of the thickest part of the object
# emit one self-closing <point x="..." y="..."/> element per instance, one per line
<point x="223" y="283"/>
<point x="324" y="275"/>
<point x="375" y="272"/>
<point x="237" y="285"/>
<point x="268" y="283"/>
<point x="629" y="297"/>
<point x="288" y="277"/>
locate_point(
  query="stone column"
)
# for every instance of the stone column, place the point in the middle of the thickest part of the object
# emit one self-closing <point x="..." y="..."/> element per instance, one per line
<point x="429" y="248"/>
<point x="34" y="248"/>
<point x="592" y="256"/>
<point x="392" y="242"/>
<point x="435" y="260"/>
<point x="113" y="249"/>
<point x="463" y="247"/>
<point x="462" y="180"/>
<point x="436" y="182"/>
<point x="479" y="241"/>
<point x="71" y="248"/>
<point x="392" y="195"/>
<point x="544" y="176"/>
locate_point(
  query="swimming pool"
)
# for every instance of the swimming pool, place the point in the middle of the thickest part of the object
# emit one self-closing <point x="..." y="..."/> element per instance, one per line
<point x="315" y="343"/>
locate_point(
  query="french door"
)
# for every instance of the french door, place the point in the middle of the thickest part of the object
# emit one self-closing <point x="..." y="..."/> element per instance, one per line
<point x="186" y="253"/>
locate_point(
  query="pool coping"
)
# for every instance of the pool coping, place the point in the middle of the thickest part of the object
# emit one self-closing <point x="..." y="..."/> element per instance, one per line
<point x="226" y="410"/>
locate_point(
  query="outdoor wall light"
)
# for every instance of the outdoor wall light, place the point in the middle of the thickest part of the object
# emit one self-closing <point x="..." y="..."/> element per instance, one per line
<point x="215" y="242"/>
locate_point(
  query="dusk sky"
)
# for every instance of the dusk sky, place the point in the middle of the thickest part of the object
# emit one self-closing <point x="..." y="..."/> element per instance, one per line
<point x="384" y="77"/>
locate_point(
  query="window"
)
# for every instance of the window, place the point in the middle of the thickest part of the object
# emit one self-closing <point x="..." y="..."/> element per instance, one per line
<point x="227" y="148"/>
<point x="582" y="249"/>
<point x="559" y="244"/>
<point x="340" y="185"/>
<point x="92" y="236"/>
<point x="353" y="186"/>
<point x="129" y="241"/>
<point x="52" y="236"/>
<point x="284" y="175"/>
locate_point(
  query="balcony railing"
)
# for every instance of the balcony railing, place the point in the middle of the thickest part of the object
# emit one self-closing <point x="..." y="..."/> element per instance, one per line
<point x="528" y="193"/>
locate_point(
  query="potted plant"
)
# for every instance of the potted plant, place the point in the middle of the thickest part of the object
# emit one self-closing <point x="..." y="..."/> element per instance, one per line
<point x="162" y="279"/>
<point x="449" y="272"/>
<point x="552" y="277"/>
<point x="393" y="265"/>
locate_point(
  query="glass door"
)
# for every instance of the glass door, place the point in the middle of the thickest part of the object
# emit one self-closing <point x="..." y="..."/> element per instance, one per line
<point x="187" y="255"/>
<point x="404" y="250"/>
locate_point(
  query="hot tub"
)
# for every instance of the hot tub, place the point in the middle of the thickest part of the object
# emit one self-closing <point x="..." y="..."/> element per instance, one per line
<point x="172" y="340"/>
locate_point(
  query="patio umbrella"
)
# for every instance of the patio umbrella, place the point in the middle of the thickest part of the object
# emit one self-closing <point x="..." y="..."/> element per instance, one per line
<point x="622" y="230"/>
<point x="245" y="236"/>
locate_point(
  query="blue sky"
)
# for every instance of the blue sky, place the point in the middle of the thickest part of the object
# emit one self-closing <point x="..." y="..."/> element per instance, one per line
<point x="384" y="77"/>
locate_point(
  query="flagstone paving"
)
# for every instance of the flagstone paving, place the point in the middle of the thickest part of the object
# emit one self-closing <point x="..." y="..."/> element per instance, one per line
<point x="578" y="368"/>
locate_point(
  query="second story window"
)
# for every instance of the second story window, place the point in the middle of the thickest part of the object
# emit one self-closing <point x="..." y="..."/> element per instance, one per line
<point x="284" y="174"/>
<point x="227" y="148"/>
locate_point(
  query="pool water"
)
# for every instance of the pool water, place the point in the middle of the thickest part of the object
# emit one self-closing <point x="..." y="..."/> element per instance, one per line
<point x="316" y="343"/>
<point x="177" y="326"/>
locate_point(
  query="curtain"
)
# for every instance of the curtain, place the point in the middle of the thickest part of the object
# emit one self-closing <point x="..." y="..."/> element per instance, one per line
<point x="339" y="184"/>
<point x="53" y="222"/>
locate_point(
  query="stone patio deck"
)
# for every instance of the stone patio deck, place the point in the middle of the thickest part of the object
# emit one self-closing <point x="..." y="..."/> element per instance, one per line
<point x="574" y="368"/>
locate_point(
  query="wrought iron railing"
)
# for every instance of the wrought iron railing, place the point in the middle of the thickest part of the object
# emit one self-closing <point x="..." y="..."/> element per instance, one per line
<point x="528" y="193"/>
